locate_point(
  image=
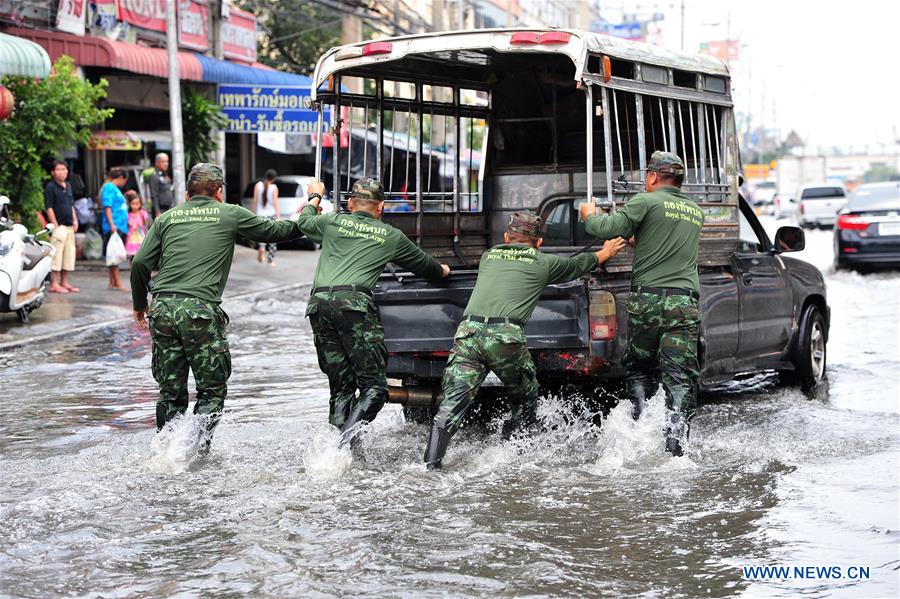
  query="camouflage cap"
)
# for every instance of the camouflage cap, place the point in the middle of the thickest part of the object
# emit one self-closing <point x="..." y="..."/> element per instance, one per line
<point x="206" y="171"/>
<point x="526" y="223"/>
<point x="368" y="189"/>
<point x="666" y="162"/>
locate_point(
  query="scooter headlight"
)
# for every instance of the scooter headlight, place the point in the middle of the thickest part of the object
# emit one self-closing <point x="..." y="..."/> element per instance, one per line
<point x="5" y="247"/>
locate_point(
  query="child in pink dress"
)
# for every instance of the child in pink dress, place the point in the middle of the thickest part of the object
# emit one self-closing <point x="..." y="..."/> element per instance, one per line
<point x="137" y="223"/>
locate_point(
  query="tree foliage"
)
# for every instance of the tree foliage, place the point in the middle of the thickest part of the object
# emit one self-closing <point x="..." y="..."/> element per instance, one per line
<point x="297" y="32"/>
<point x="50" y="116"/>
<point x="199" y="117"/>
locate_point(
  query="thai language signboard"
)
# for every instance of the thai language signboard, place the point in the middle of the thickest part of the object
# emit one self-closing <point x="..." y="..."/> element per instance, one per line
<point x="239" y="36"/>
<point x="267" y="108"/>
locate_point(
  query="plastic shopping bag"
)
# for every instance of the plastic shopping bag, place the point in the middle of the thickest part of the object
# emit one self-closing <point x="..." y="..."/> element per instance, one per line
<point x="93" y="245"/>
<point x="115" y="250"/>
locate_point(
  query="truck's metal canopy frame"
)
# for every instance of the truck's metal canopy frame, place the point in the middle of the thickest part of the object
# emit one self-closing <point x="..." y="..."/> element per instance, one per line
<point x="581" y="44"/>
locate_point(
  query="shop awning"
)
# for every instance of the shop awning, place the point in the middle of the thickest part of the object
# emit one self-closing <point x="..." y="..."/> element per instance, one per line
<point x="222" y="71"/>
<point x="91" y="51"/>
<point x="22" y="57"/>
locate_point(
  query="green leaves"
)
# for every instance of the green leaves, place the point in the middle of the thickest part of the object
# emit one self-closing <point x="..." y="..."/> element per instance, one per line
<point x="199" y="117"/>
<point x="51" y="115"/>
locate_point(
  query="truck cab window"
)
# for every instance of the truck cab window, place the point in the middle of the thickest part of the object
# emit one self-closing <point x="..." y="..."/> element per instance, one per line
<point x="748" y="240"/>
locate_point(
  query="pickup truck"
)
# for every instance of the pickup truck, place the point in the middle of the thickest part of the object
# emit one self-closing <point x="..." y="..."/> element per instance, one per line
<point x="464" y="128"/>
<point x="762" y="311"/>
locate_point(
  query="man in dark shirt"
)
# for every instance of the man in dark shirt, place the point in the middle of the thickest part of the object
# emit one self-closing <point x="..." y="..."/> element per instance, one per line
<point x="161" y="185"/>
<point x="59" y="203"/>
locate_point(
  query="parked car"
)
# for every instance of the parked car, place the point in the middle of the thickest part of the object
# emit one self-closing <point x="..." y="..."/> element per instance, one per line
<point x="783" y="206"/>
<point x="819" y="204"/>
<point x="291" y="197"/>
<point x="868" y="229"/>
<point x="764" y="196"/>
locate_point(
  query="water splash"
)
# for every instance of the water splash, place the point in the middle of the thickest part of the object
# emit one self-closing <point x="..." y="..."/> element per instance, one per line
<point x="179" y="443"/>
<point x="627" y="444"/>
<point x="323" y="457"/>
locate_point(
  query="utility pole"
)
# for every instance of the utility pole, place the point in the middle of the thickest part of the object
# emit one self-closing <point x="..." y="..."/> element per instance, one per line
<point x="178" y="176"/>
<point x="682" y="25"/>
<point x="217" y="22"/>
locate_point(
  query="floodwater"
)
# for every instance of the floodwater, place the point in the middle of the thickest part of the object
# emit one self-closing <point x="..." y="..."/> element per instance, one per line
<point x="95" y="504"/>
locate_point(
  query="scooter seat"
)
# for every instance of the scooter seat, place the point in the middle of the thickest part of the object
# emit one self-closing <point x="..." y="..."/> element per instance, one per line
<point x="34" y="253"/>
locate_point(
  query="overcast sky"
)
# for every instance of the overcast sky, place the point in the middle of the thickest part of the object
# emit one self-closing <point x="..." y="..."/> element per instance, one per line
<point x="829" y="70"/>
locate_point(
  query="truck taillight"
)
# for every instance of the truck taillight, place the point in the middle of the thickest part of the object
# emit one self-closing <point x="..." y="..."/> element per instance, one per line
<point x="851" y="222"/>
<point x="377" y="48"/>
<point x="802" y="208"/>
<point x="602" y="316"/>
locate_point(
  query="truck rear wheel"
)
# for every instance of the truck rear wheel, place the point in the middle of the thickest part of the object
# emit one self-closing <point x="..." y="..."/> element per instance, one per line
<point x="809" y="355"/>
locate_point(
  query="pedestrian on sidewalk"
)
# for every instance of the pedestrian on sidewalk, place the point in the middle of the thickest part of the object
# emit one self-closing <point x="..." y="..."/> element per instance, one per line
<point x="265" y="204"/>
<point x="115" y="217"/>
<point x="138" y="218"/>
<point x="192" y="246"/>
<point x="59" y="203"/>
<point x="160" y="184"/>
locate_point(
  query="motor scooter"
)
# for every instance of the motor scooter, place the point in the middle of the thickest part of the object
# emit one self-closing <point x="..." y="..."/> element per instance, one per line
<point x="24" y="266"/>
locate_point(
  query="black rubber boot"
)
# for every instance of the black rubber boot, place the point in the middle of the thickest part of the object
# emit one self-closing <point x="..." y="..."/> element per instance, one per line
<point x="677" y="432"/>
<point x="639" y="390"/>
<point x="438" y="440"/>
<point x="351" y="432"/>
<point x="161" y="416"/>
<point x="209" y="429"/>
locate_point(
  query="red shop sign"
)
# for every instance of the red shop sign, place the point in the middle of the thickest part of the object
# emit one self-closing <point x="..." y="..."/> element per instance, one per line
<point x="193" y="32"/>
<point x="239" y="36"/>
<point x="146" y="14"/>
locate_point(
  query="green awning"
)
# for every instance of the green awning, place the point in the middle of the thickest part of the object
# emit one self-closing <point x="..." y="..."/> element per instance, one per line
<point x="23" y="58"/>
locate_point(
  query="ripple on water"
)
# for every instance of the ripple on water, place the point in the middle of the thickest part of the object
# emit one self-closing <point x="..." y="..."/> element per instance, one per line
<point x="94" y="503"/>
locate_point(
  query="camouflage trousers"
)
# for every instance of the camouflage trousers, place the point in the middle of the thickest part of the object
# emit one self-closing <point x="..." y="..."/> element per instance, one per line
<point x="189" y="333"/>
<point x="350" y="345"/>
<point x="478" y="349"/>
<point x="662" y="347"/>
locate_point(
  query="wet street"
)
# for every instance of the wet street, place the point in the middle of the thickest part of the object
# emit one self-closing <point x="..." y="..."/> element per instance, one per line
<point x="94" y="504"/>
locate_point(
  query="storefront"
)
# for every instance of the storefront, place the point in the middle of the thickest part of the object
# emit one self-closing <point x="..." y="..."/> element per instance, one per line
<point x="117" y="42"/>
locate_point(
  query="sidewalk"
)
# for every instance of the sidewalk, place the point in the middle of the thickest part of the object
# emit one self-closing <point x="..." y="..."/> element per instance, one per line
<point x="96" y="305"/>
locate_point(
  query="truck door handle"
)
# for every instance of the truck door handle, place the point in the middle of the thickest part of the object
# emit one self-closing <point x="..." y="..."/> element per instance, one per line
<point x="747" y="278"/>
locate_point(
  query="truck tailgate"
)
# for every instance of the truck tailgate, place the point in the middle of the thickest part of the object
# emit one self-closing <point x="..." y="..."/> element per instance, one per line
<point x="422" y="316"/>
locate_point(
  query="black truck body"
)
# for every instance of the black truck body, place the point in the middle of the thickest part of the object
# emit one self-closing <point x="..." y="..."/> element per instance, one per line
<point x="465" y="128"/>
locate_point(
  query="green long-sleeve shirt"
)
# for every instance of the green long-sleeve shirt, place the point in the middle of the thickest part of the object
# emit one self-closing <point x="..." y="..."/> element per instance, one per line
<point x="666" y="226"/>
<point x="192" y="246"/>
<point x="356" y="247"/>
<point x="512" y="276"/>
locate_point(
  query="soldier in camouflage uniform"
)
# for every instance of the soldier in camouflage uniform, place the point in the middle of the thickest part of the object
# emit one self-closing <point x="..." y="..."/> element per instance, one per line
<point x="345" y="320"/>
<point x="491" y="337"/>
<point x="191" y="247"/>
<point x="663" y="309"/>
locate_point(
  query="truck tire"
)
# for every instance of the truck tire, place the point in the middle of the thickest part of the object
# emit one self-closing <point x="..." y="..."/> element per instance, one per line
<point x="809" y="355"/>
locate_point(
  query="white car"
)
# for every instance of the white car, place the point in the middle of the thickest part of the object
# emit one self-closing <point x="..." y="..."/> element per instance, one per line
<point x="764" y="195"/>
<point x="291" y="198"/>
<point x="818" y="205"/>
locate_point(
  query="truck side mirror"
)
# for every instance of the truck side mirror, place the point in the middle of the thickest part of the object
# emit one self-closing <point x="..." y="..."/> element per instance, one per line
<point x="789" y="239"/>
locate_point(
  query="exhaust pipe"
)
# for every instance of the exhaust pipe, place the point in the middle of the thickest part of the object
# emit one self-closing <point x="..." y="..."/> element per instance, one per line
<point x="415" y="396"/>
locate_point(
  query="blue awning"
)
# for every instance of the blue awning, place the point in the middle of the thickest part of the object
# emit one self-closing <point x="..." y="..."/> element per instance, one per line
<point x="221" y="71"/>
